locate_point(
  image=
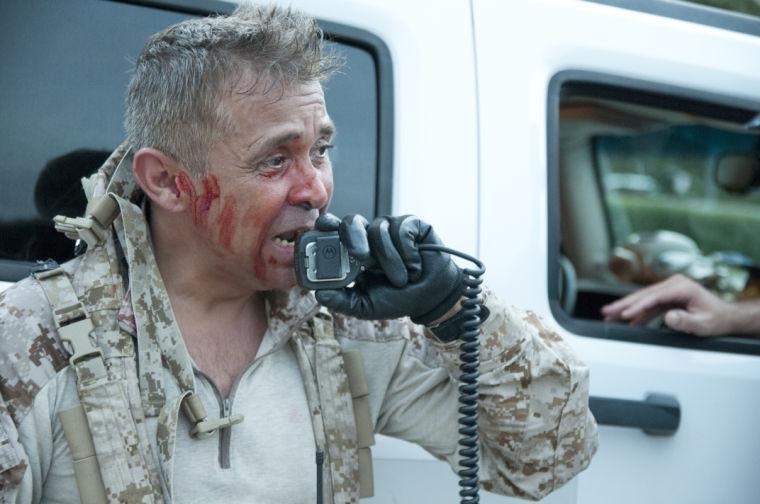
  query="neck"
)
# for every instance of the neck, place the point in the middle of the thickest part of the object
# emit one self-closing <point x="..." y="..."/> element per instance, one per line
<point x="222" y="319"/>
<point x="196" y="281"/>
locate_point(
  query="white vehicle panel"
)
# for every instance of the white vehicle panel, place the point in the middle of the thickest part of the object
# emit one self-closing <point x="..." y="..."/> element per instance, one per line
<point x="712" y="456"/>
<point x="435" y="136"/>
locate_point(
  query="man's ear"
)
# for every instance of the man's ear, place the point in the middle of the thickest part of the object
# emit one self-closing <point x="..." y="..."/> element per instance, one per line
<point x="156" y="173"/>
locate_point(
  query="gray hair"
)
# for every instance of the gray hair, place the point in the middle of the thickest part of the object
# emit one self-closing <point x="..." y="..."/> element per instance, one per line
<point x="174" y="101"/>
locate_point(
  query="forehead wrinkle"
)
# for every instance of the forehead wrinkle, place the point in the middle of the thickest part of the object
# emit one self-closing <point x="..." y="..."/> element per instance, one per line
<point x="263" y="144"/>
<point x="277" y="140"/>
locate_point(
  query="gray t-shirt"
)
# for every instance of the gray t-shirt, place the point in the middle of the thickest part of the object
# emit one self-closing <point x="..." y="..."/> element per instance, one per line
<point x="269" y="458"/>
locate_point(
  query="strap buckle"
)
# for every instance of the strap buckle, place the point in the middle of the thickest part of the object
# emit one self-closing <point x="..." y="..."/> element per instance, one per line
<point x="77" y="335"/>
<point x="81" y="228"/>
<point x="93" y="228"/>
<point x="73" y="324"/>
<point x="85" y="358"/>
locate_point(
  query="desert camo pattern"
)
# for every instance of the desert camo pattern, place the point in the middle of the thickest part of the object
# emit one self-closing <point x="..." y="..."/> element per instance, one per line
<point x="115" y="410"/>
<point x="31" y="356"/>
<point x="536" y="429"/>
<point x="112" y="403"/>
<point x="535" y="426"/>
<point x="537" y="390"/>
<point x="335" y="410"/>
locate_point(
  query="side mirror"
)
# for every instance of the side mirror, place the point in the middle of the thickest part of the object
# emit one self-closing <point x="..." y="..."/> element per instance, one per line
<point x="738" y="173"/>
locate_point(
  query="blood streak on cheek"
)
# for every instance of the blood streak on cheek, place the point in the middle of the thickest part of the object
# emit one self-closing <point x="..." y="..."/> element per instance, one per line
<point x="257" y="224"/>
<point x="199" y="205"/>
<point x="226" y="222"/>
<point x="251" y="223"/>
<point x="203" y="203"/>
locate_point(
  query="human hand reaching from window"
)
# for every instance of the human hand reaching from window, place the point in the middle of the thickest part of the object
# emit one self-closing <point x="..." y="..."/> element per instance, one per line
<point x="688" y="307"/>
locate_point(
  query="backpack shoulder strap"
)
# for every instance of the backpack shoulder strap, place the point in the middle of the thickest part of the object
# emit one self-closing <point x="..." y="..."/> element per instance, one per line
<point x="108" y="449"/>
<point x="343" y="420"/>
<point x="365" y="429"/>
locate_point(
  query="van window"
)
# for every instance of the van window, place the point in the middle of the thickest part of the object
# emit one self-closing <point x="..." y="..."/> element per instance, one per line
<point x="649" y="185"/>
<point x="668" y="177"/>
<point x="750" y="7"/>
<point x="66" y="66"/>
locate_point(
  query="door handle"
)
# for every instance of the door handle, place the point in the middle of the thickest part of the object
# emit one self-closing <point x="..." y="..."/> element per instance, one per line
<point x="657" y="414"/>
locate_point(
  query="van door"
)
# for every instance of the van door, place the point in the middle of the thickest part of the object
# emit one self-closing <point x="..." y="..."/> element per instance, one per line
<point x="599" y="123"/>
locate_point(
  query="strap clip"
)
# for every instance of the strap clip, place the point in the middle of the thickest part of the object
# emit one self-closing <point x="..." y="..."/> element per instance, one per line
<point x="77" y="334"/>
<point x="81" y="228"/>
<point x="72" y="322"/>
<point x="205" y="427"/>
<point x="93" y="228"/>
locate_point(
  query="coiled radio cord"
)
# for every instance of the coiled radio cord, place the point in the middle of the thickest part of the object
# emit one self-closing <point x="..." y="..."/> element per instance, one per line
<point x="469" y="439"/>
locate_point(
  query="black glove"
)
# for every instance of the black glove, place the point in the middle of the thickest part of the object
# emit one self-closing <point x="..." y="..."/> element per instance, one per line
<point x="404" y="281"/>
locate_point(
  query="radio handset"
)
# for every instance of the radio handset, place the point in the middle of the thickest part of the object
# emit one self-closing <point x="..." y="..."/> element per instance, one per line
<point x="323" y="262"/>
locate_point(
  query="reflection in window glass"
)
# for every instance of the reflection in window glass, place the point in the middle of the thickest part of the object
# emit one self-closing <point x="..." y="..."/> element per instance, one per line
<point x="666" y="179"/>
<point x="751" y="7"/>
<point x="66" y="67"/>
<point x="65" y="72"/>
<point x="648" y="189"/>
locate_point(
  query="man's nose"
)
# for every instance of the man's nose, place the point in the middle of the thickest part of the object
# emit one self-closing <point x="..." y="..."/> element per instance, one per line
<point x="309" y="189"/>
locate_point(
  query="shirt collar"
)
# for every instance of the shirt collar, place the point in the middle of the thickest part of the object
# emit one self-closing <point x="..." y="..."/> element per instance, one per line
<point x="286" y="311"/>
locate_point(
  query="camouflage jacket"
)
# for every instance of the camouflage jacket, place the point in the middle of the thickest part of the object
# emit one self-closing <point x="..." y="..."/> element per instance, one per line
<point x="536" y="430"/>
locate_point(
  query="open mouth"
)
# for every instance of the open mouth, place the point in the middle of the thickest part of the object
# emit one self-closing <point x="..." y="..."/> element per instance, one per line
<point x="288" y="238"/>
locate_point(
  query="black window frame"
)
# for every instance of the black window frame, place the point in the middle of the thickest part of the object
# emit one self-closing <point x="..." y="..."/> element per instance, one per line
<point x="692" y="13"/>
<point x="12" y="271"/>
<point x="646" y="93"/>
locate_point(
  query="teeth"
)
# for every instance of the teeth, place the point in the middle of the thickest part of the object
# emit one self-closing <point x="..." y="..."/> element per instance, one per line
<point x="283" y="243"/>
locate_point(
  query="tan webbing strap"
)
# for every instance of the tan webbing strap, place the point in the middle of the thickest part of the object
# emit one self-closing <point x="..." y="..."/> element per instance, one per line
<point x="160" y="342"/>
<point x="365" y="430"/>
<point x="337" y="410"/>
<point x="86" y="468"/>
<point x="74" y="326"/>
<point x="113" y="413"/>
<point x="102" y="210"/>
<point x="123" y="471"/>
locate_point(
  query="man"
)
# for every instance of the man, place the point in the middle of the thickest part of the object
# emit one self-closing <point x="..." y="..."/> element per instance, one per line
<point x="213" y="378"/>
<point x="688" y="307"/>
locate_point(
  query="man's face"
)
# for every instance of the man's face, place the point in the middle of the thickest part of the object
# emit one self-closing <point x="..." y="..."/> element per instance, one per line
<point x="267" y="181"/>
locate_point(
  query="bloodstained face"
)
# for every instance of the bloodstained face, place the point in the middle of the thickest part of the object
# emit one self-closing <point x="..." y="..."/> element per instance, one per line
<point x="267" y="181"/>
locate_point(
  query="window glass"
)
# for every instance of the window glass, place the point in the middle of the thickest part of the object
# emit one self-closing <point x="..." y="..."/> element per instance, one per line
<point x="666" y="178"/>
<point x="66" y="66"/>
<point x="651" y="185"/>
<point x="751" y="7"/>
<point x="351" y="98"/>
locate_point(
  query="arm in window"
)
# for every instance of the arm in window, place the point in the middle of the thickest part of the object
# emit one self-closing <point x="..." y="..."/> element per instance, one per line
<point x="688" y="307"/>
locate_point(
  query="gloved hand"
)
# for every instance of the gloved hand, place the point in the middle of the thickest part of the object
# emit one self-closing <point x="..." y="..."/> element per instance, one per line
<point x="404" y="281"/>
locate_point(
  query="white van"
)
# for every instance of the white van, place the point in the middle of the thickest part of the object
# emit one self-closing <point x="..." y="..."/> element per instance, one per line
<point x="539" y="135"/>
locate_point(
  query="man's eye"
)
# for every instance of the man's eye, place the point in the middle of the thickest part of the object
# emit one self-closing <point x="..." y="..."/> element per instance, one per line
<point x="275" y="162"/>
<point x="320" y="151"/>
